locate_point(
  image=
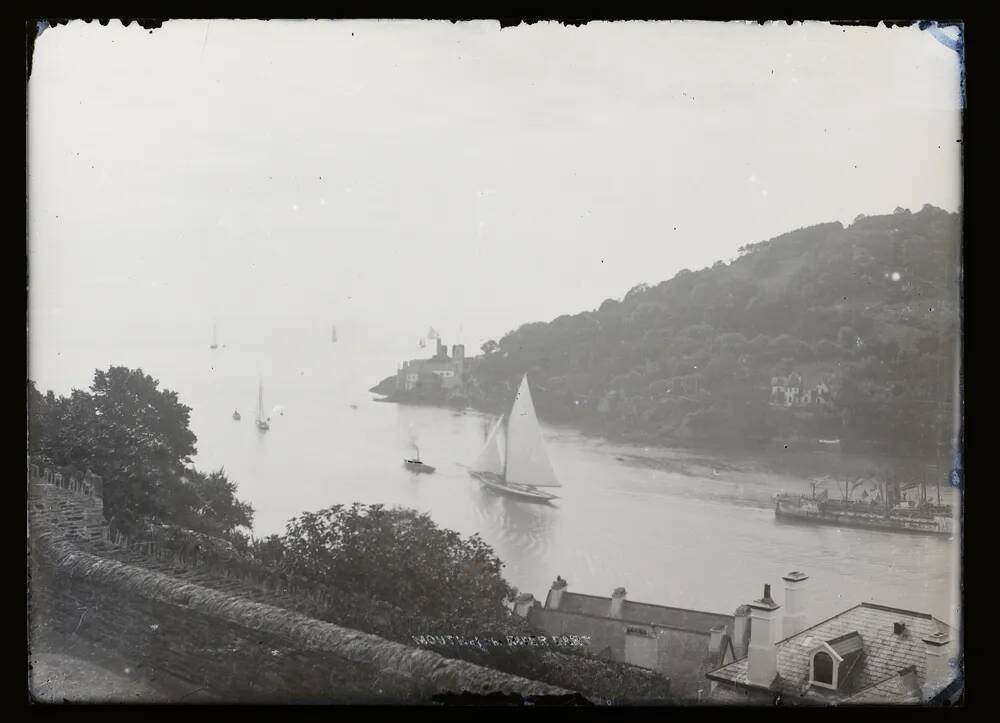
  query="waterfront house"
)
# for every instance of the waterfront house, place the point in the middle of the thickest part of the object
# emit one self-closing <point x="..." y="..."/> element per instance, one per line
<point x="867" y="654"/>
<point x="682" y="645"/>
<point x="797" y="390"/>
<point x="786" y="391"/>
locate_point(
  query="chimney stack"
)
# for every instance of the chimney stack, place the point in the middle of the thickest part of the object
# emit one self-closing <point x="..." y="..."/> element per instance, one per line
<point x="741" y="630"/>
<point x="525" y="601"/>
<point x="794" y="619"/>
<point x="939" y="670"/>
<point x="762" y="665"/>
<point x="556" y="593"/>
<point x="617" y="602"/>
<point x="715" y="639"/>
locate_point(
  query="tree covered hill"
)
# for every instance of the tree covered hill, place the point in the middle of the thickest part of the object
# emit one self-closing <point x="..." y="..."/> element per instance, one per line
<point x="870" y="310"/>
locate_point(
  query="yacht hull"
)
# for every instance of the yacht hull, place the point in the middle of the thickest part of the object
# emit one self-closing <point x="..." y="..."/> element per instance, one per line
<point x="520" y="492"/>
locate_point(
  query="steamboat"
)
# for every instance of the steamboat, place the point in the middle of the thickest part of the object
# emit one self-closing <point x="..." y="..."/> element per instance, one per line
<point x="885" y="510"/>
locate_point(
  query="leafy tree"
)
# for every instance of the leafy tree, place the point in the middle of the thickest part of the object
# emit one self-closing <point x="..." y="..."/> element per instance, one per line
<point x="207" y="503"/>
<point x="609" y="306"/>
<point x="825" y="350"/>
<point x="847" y="338"/>
<point x="138" y="439"/>
<point x="400" y="556"/>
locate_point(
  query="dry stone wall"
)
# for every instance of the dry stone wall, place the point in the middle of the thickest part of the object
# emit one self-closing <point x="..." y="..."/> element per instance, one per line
<point x="239" y="649"/>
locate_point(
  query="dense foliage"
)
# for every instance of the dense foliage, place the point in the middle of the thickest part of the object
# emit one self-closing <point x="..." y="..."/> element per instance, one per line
<point x="395" y="573"/>
<point x="137" y="438"/>
<point x="451" y="584"/>
<point x="873" y="308"/>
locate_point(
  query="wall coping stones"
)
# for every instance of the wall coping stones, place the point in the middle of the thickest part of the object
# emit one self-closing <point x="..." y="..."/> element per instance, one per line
<point x="428" y="669"/>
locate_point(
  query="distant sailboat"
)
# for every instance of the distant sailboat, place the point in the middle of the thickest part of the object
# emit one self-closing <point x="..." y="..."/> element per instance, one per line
<point x="236" y="415"/>
<point x="215" y="341"/>
<point x="525" y="464"/>
<point x="262" y="424"/>
<point x="334" y="334"/>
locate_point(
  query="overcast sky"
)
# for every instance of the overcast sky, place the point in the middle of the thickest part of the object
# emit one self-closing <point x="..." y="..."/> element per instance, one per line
<point x="405" y="174"/>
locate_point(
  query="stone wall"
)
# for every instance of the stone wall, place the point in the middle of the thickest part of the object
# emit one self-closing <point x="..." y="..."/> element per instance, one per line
<point x="237" y="648"/>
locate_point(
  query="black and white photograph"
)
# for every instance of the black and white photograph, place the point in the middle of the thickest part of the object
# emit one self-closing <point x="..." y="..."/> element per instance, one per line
<point x="495" y="363"/>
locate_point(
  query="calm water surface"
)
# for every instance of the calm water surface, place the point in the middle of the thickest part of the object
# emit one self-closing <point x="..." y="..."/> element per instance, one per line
<point x="701" y="536"/>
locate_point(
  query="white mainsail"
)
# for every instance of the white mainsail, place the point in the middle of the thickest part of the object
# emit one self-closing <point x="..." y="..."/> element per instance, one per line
<point x="260" y="400"/>
<point x="527" y="461"/>
<point x="489" y="458"/>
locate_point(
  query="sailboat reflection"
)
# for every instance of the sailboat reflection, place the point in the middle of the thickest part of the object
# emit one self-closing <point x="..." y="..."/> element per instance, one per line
<point x="527" y="527"/>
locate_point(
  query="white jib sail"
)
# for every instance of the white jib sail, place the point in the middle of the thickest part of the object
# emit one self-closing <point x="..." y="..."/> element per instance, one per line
<point x="489" y="458"/>
<point x="527" y="461"/>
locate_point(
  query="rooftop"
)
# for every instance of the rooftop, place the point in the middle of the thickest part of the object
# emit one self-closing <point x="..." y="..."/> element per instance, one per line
<point x="866" y="630"/>
<point x="893" y="689"/>
<point x="642" y="613"/>
<point x="847" y="644"/>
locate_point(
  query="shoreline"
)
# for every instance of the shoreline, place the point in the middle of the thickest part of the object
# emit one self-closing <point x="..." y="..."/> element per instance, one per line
<point x="777" y="457"/>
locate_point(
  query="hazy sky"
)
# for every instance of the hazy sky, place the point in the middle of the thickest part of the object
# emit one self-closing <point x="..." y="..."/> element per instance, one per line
<point x="394" y="175"/>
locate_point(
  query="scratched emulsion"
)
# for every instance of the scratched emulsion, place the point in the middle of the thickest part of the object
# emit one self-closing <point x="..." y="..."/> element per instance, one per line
<point x="272" y="180"/>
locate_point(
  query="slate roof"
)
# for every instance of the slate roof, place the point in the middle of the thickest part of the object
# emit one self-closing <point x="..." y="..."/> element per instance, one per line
<point x="847" y="644"/>
<point x="882" y="656"/>
<point x="890" y="690"/>
<point x="644" y="613"/>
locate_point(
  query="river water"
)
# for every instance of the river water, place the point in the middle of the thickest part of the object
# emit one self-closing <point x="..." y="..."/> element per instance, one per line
<point x="672" y="527"/>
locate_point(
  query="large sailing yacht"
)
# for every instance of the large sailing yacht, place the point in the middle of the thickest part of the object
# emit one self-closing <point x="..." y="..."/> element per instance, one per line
<point x="524" y="465"/>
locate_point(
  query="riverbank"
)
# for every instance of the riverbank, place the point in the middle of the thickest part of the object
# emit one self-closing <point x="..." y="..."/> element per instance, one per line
<point x="711" y="458"/>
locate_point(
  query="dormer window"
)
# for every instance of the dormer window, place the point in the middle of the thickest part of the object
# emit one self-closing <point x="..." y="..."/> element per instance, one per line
<point x="822" y="669"/>
<point x="832" y="661"/>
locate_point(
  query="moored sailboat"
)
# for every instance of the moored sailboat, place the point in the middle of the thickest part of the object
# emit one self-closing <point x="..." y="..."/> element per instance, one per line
<point x="262" y="424"/>
<point x="524" y="465"/>
<point x="215" y="340"/>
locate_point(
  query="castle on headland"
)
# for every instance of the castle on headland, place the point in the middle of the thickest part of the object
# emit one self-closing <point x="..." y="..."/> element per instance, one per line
<point x="440" y="372"/>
